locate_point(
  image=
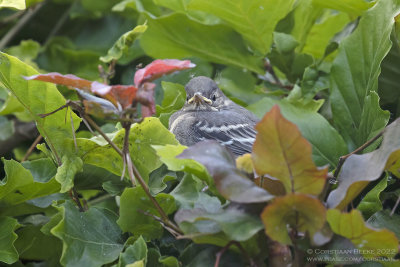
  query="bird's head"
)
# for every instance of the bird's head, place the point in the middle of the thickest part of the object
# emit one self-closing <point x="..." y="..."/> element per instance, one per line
<point x="202" y="93"/>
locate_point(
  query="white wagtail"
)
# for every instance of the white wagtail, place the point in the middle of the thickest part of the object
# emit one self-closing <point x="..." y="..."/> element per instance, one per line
<point x="209" y="114"/>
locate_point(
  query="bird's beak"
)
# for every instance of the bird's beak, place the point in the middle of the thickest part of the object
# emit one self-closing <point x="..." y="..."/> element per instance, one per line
<point x="199" y="99"/>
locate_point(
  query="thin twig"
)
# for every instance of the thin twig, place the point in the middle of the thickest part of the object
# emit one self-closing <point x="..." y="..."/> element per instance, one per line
<point x="226" y="247"/>
<point x="12" y="17"/>
<point x="30" y="13"/>
<point x="73" y="132"/>
<point x="59" y="24"/>
<point x="395" y="206"/>
<point x="268" y="68"/>
<point x="342" y="159"/>
<point x="98" y="129"/>
<point x="106" y="76"/>
<point x="99" y="199"/>
<point x="158" y="219"/>
<point x="134" y="173"/>
<point x="31" y="148"/>
<point x="44" y="115"/>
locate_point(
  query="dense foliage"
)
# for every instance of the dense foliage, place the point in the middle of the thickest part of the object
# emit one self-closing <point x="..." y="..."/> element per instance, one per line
<point x="91" y="176"/>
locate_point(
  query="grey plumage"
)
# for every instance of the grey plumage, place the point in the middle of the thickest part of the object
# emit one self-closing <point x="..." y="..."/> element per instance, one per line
<point x="209" y="114"/>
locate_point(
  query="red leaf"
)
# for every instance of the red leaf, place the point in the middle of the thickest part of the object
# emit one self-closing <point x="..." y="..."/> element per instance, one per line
<point x="122" y="94"/>
<point x="67" y="80"/>
<point x="160" y="67"/>
<point x="145" y="96"/>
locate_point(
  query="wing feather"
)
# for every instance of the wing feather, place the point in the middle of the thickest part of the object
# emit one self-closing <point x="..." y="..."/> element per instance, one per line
<point x="239" y="138"/>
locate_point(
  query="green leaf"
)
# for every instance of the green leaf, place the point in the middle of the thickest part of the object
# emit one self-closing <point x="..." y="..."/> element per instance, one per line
<point x="20" y="186"/>
<point x="158" y="179"/>
<point x="176" y="36"/>
<point x="358" y="170"/>
<point x="301" y="212"/>
<point x="315" y="128"/>
<point x="8" y="253"/>
<point x="321" y="33"/>
<point x="71" y="165"/>
<point x="61" y="55"/>
<point x="390" y="78"/>
<point x="352" y="226"/>
<point x="134" y="253"/>
<point x="254" y="20"/>
<point x="91" y="238"/>
<point x="122" y="45"/>
<point x="32" y="244"/>
<point x="174" y="98"/>
<point x="354" y="7"/>
<point x="11" y="103"/>
<point x="168" y="155"/>
<point x="235" y="223"/>
<point x="154" y="259"/>
<point x="202" y="255"/>
<point x="371" y="203"/>
<point x="239" y="85"/>
<point x="383" y="219"/>
<point x="143" y="136"/>
<point x="26" y="51"/>
<point x="145" y="6"/>
<point x="18" y="4"/>
<point x="180" y="6"/>
<point x="134" y="202"/>
<point x="284" y="57"/>
<point x="6" y="128"/>
<point x="188" y="195"/>
<point x="39" y="98"/>
<point x="354" y="75"/>
<point x="301" y="20"/>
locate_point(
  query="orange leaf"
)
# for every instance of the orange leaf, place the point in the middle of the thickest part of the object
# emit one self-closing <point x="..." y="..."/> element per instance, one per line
<point x="67" y="80"/>
<point x="282" y="153"/>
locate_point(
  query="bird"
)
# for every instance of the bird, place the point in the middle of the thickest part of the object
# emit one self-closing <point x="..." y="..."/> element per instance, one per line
<point x="208" y="114"/>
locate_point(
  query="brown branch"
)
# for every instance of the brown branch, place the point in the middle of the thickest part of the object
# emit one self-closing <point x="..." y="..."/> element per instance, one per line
<point x="75" y="197"/>
<point x="342" y="159"/>
<point x="31" y="148"/>
<point x="44" y="115"/>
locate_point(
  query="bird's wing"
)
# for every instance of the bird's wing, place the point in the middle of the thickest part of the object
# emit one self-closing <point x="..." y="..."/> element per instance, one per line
<point x="239" y="138"/>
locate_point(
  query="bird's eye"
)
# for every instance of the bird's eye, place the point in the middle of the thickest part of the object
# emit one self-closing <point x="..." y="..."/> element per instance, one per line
<point x="214" y="97"/>
<point x="187" y="98"/>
